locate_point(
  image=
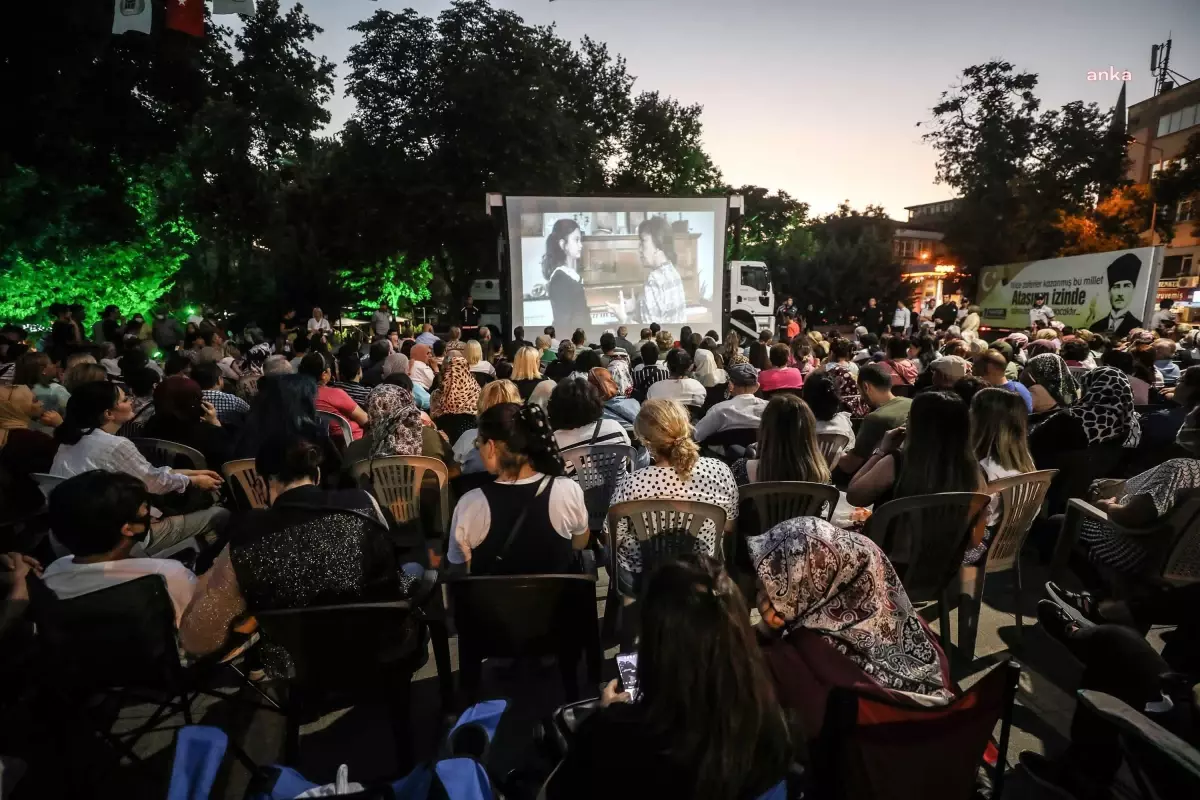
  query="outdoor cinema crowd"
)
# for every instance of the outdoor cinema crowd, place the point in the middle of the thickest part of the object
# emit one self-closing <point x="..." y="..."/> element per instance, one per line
<point x="727" y="709"/>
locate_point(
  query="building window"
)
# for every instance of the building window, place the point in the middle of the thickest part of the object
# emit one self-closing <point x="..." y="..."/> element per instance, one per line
<point x="1187" y="210"/>
<point x="906" y="248"/>
<point x="1179" y="120"/>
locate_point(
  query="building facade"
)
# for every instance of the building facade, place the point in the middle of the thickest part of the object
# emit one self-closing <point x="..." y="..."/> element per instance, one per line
<point x="919" y="246"/>
<point x="1160" y="128"/>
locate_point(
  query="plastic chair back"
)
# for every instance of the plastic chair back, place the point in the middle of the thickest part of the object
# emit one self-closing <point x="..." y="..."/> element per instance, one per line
<point x="1181" y="564"/>
<point x="396" y="483"/>
<point x="776" y="501"/>
<point x="162" y="453"/>
<point x="1021" y="498"/>
<point x="251" y="485"/>
<point x="330" y="419"/>
<point x="872" y="748"/>
<point x="507" y="616"/>
<point x="455" y="425"/>
<point x="926" y="536"/>
<point x="1156" y="757"/>
<point x="120" y="636"/>
<point x="832" y="446"/>
<point x="346" y="647"/>
<point x="597" y="469"/>
<point x="46" y="482"/>
<point x="664" y="527"/>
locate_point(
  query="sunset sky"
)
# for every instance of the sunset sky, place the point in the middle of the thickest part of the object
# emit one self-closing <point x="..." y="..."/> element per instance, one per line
<point x="822" y="99"/>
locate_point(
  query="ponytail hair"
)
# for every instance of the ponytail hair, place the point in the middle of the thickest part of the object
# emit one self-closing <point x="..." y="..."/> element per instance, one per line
<point x="666" y="429"/>
<point x="526" y="436"/>
<point x="85" y="410"/>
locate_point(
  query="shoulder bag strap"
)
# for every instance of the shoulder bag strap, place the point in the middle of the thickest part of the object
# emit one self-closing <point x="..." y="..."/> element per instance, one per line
<point x="520" y="523"/>
<point x="596" y="430"/>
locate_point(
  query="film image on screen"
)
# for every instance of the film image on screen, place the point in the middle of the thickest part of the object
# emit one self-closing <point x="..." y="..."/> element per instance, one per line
<point x="596" y="263"/>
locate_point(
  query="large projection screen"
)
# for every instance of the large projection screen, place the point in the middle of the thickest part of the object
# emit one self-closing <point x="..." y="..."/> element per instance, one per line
<point x="600" y="262"/>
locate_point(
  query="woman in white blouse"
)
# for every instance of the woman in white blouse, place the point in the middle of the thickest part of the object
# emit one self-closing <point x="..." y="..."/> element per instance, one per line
<point x="87" y="441"/>
<point x="318" y="321"/>
<point x="475" y="359"/>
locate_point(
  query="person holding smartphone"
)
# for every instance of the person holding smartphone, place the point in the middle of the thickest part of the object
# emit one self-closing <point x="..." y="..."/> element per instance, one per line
<point x="675" y="741"/>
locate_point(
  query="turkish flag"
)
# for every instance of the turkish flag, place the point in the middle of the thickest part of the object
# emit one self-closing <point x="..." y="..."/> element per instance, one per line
<point x="186" y="16"/>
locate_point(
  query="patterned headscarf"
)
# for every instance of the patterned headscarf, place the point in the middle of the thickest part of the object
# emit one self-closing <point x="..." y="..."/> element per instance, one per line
<point x="1051" y="373"/>
<point x="459" y="393"/>
<point x="737" y="358"/>
<point x="846" y="388"/>
<point x="395" y="422"/>
<point x="541" y="446"/>
<point x="839" y="584"/>
<point x="1141" y="337"/>
<point x="1106" y="408"/>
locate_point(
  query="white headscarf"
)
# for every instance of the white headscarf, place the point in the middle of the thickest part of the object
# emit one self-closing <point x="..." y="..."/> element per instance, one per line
<point x="706" y="370"/>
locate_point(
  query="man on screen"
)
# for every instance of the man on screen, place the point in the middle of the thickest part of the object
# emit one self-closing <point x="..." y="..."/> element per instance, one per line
<point x="1122" y="283"/>
<point x="662" y="297"/>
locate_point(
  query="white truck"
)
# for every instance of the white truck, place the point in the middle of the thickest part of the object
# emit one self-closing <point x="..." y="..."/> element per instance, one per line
<point x="749" y="303"/>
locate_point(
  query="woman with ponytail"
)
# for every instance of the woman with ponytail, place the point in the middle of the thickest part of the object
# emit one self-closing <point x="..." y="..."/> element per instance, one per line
<point x="676" y="472"/>
<point x="530" y="518"/>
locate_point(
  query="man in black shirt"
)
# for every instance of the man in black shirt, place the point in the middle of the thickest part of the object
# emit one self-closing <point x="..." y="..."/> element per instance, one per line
<point x="945" y="315"/>
<point x="783" y="315"/>
<point x="871" y="317"/>
<point x="470" y="319"/>
<point x="511" y="348"/>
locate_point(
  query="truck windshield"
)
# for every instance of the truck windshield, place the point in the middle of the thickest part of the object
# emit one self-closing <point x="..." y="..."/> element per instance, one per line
<point x="755" y="278"/>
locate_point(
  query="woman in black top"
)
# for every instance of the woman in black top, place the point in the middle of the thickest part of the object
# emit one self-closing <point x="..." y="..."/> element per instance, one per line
<point x="181" y="415"/>
<point x="564" y="365"/>
<point x="310" y="548"/>
<point x="528" y="520"/>
<point x="568" y="301"/>
<point x="705" y="724"/>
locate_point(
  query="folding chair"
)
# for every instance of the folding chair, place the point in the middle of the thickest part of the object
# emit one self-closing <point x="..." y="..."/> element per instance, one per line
<point x="119" y="642"/>
<point x="872" y="748"/>
<point x="772" y="502"/>
<point x="162" y="453"/>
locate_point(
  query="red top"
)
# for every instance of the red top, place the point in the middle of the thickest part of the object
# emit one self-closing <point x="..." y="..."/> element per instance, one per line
<point x="337" y="401"/>
<point x="786" y="378"/>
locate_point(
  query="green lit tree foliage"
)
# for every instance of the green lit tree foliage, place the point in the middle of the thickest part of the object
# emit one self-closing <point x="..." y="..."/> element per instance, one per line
<point x="131" y="274"/>
<point x="397" y="281"/>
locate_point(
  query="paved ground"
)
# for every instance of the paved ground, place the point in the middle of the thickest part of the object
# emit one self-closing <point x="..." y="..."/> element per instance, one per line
<point x="361" y="737"/>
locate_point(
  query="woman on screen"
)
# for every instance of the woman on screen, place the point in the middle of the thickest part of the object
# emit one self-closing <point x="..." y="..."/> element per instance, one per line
<point x="568" y="303"/>
<point x="662" y="297"/>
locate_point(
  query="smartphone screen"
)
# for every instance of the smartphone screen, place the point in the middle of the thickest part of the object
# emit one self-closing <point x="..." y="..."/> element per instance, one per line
<point x="627" y="669"/>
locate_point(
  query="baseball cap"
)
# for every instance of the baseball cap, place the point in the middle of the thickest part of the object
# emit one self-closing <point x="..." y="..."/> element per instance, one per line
<point x="953" y="366"/>
<point x="742" y="374"/>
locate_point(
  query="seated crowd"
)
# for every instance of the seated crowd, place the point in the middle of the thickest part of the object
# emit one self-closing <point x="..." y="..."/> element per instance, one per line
<point x="880" y="418"/>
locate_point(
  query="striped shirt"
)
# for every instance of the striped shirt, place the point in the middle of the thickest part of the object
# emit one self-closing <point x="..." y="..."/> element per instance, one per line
<point x="358" y="393"/>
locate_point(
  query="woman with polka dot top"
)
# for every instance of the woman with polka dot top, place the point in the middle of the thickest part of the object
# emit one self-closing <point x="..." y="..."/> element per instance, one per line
<point x="676" y="473"/>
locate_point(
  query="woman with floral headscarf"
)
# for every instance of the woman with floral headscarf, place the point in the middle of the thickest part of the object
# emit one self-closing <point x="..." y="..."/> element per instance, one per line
<point x="847" y="390"/>
<point x="531" y="518"/>
<point x="396" y="427"/>
<point x="844" y="621"/>
<point x="1105" y="408"/>
<point x="1054" y="434"/>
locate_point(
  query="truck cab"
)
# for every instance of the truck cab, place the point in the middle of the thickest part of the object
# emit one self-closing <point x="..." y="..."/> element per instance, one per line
<point x="749" y="298"/>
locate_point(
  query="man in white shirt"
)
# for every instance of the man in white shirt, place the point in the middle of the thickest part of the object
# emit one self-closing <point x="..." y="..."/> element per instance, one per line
<point x="1041" y="315"/>
<point x="318" y="322"/>
<point x="101" y="517"/>
<point x="901" y="318"/>
<point x="679" y="386"/>
<point x="741" y="410"/>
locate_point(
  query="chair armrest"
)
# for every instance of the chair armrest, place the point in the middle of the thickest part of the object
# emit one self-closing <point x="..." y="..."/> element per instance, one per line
<point x="1077" y="511"/>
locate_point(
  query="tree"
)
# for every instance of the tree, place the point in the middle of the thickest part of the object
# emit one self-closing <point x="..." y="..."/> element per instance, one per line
<point x="1177" y="181"/>
<point x="1018" y="171"/>
<point x="131" y="274"/>
<point x="1116" y="223"/>
<point x="774" y="230"/>
<point x="661" y="150"/>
